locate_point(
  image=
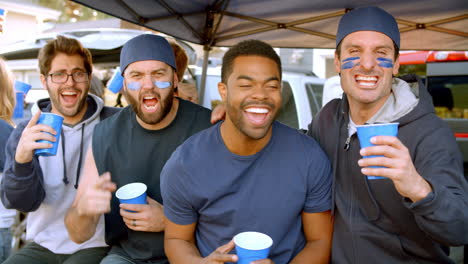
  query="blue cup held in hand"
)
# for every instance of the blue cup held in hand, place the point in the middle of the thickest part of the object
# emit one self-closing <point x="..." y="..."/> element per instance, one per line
<point x="132" y="193"/>
<point x="251" y="246"/>
<point x="366" y="132"/>
<point x="55" y="121"/>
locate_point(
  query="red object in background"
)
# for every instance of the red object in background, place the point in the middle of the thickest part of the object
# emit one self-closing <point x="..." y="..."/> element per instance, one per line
<point x="461" y="135"/>
<point x="423" y="57"/>
<point x="435" y="56"/>
<point x="413" y="57"/>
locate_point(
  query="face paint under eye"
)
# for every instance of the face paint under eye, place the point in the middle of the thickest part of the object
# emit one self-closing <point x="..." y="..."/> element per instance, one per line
<point x="162" y="85"/>
<point x="134" y="86"/>
<point x="349" y="63"/>
<point x="385" y="63"/>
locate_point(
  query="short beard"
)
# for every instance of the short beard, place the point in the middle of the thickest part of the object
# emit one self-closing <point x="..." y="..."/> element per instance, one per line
<point x="235" y="115"/>
<point x="151" y="119"/>
<point x="54" y="99"/>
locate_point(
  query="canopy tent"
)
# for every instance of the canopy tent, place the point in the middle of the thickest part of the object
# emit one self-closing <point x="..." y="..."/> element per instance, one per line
<point x="424" y="24"/>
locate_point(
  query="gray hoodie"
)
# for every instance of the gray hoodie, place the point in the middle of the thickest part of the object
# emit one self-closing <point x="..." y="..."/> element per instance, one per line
<point x="47" y="186"/>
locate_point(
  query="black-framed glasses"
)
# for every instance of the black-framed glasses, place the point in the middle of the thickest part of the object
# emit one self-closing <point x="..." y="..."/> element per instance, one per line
<point x="62" y="77"/>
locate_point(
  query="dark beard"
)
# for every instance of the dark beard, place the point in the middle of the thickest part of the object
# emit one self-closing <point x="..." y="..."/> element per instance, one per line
<point x="165" y="108"/>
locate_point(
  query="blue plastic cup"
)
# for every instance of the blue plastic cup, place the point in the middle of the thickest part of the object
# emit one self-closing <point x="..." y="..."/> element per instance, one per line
<point x="22" y="87"/>
<point x="55" y="121"/>
<point x="116" y="82"/>
<point x="366" y="132"/>
<point x="18" y="111"/>
<point x="251" y="246"/>
<point x="132" y="193"/>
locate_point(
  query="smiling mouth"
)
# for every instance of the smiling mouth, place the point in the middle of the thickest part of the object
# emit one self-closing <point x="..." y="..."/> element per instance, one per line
<point x="69" y="96"/>
<point x="257" y="115"/>
<point x="366" y="81"/>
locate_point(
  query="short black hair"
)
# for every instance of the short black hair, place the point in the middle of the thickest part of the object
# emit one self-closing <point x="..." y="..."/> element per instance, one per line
<point x="250" y="47"/>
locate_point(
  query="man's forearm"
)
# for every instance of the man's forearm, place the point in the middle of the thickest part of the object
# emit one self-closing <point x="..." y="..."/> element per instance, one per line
<point x="181" y="252"/>
<point x="80" y="228"/>
<point x="314" y="252"/>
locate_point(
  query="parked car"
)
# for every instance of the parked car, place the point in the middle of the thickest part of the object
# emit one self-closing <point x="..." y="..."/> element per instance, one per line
<point x="446" y="77"/>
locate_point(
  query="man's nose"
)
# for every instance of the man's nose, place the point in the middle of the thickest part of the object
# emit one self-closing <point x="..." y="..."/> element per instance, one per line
<point x="70" y="81"/>
<point x="259" y="92"/>
<point x="147" y="82"/>
<point x="368" y="61"/>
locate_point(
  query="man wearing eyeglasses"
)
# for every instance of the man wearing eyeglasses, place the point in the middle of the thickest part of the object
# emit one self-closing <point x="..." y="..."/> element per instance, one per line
<point x="133" y="146"/>
<point x="45" y="186"/>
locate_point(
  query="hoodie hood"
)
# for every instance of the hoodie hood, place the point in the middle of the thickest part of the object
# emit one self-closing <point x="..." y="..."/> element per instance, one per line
<point x="409" y="101"/>
<point x="95" y="105"/>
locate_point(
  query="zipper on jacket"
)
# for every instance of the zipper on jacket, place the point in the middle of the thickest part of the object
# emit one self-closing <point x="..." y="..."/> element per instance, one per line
<point x="346" y="146"/>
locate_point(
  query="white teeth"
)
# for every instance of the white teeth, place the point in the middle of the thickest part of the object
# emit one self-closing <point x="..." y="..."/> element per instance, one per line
<point x="148" y="97"/>
<point x="69" y="93"/>
<point x="364" y="78"/>
<point x="257" y="110"/>
<point x="366" y="84"/>
<point x="149" y="107"/>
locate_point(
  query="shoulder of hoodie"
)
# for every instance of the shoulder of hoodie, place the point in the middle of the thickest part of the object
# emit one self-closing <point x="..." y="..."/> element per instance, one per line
<point x="5" y="127"/>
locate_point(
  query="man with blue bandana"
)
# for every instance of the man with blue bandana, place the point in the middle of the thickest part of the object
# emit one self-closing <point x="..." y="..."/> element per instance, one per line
<point x="419" y="206"/>
<point x="133" y="146"/>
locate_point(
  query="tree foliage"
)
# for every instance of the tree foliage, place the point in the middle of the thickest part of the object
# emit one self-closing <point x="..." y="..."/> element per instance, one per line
<point x="71" y="11"/>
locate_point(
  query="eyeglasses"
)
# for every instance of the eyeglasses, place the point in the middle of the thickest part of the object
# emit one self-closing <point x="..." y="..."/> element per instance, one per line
<point x="61" y="77"/>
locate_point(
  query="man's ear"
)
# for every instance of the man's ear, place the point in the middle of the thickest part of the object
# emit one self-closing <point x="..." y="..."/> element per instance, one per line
<point x="337" y="64"/>
<point x="222" y="89"/>
<point x="43" y="81"/>
<point x="175" y="80"/>
<point x="396" y="66"/>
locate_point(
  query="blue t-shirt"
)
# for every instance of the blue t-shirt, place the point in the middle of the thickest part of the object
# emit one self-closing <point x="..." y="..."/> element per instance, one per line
<point x="266" y="192"/>
<point x="5" y="131"/>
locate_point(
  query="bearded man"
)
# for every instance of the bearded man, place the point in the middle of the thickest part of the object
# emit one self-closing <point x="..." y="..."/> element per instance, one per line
<point x="133" y="146"/>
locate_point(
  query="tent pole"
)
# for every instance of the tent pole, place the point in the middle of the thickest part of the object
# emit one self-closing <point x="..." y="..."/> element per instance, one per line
<point x="206" y="53"/>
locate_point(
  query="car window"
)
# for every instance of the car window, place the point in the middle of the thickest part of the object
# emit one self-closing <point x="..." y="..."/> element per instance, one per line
<point x="450" y="95"/>
<point x="288" y="112"/>
<point x="314" y="93"/>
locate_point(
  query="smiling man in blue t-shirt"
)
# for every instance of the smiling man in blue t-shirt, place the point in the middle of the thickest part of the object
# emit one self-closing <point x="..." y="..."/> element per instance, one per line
<point x="248" y="173"/>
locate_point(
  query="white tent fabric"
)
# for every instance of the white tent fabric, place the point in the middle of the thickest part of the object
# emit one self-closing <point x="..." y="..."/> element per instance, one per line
<point x="424" y="24"/>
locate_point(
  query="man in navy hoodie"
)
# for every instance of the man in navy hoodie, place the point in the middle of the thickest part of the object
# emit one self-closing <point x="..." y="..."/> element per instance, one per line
<point x="419" y="208"/>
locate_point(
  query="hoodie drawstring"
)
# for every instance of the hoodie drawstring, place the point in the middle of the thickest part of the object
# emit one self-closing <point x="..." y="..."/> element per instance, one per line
<point x="65" y="178"/>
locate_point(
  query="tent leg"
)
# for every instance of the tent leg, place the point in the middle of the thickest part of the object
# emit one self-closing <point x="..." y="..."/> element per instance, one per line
<point x="206" y="54"/>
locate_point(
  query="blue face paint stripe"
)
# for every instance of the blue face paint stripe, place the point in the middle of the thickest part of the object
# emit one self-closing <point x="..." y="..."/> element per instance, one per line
<point x="385" y="63"/>
<point x="134" y="86"/>
<point x="350" y="59"/>
<point x="162" y="85"/>
<point x="349" y="63"/>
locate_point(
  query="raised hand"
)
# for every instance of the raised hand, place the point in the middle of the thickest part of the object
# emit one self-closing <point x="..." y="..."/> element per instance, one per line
<point x="32" y="133"/>
<point x="398" y="167"/>
<point x="95" y="200"/>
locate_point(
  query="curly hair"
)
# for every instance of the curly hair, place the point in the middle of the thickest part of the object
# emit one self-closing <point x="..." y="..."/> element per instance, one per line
<point x="7" y="93"/>
<point x="250" y="47"/>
